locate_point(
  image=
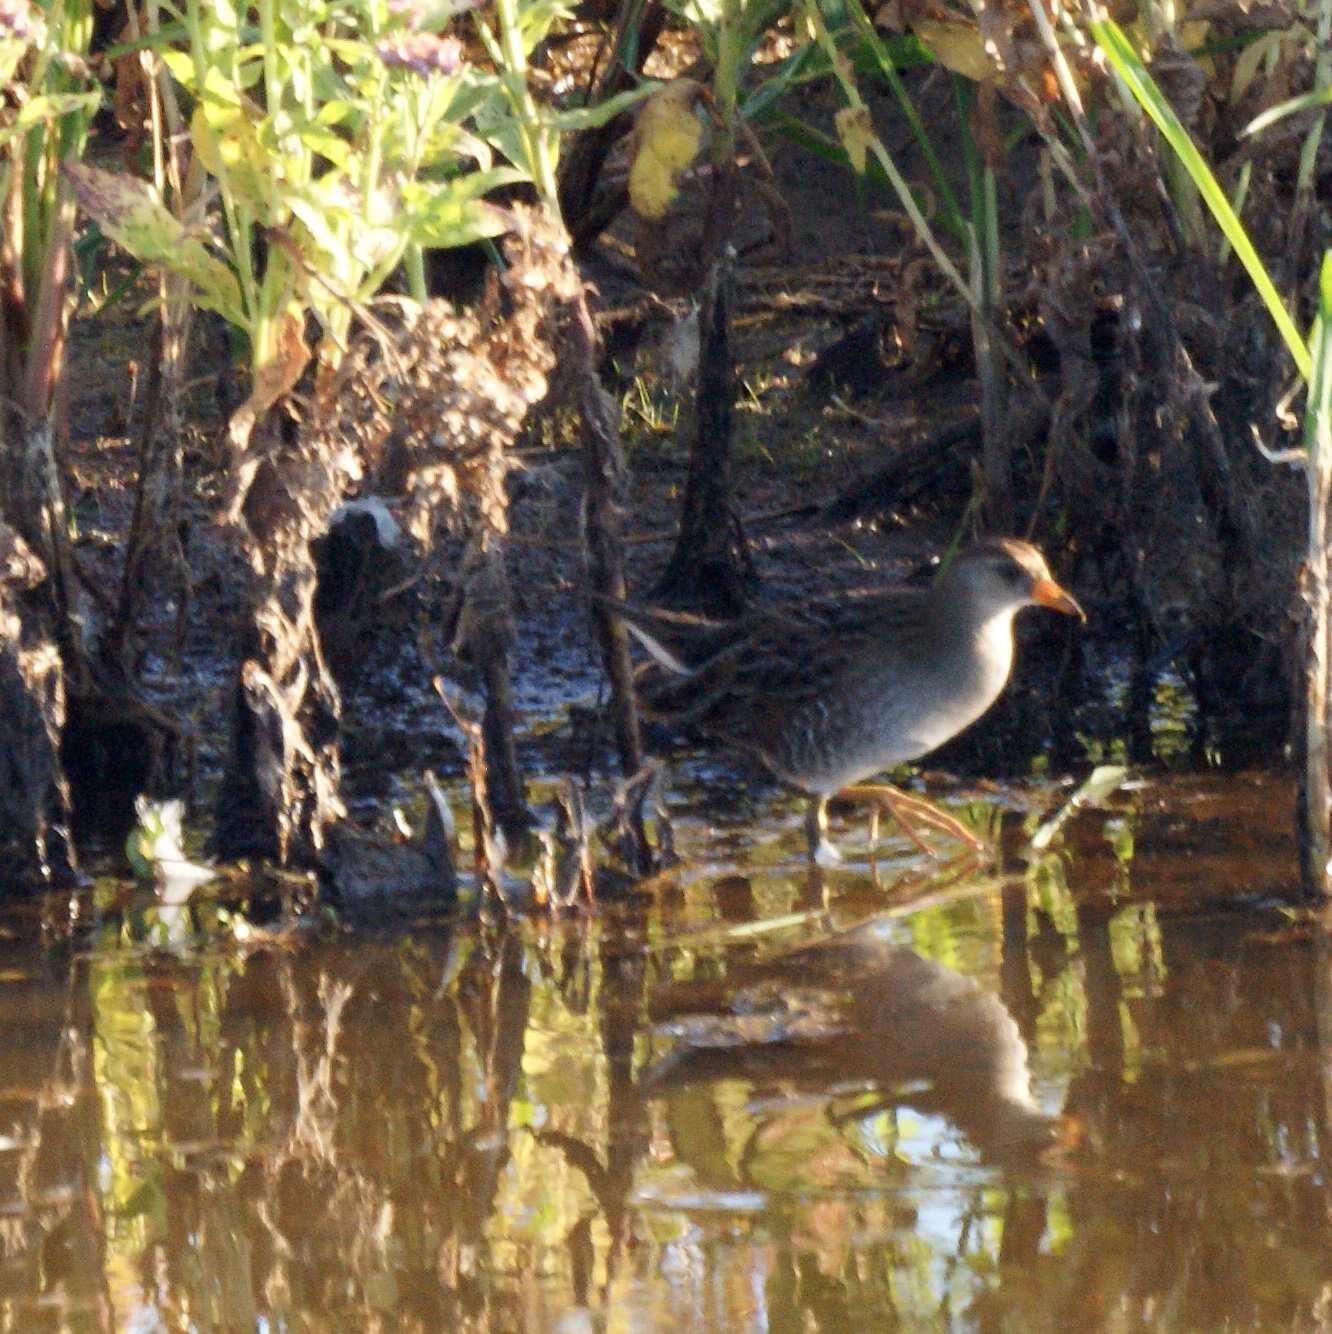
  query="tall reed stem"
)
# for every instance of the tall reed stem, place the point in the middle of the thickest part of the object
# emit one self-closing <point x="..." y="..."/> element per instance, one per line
<point x="1315" y="804"/>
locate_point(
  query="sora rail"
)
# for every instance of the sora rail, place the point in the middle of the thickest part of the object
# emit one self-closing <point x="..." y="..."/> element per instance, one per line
<point x="829" y="693"/>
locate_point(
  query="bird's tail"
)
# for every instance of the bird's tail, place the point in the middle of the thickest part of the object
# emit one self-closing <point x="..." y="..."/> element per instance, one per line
<point x="676" y="641"/>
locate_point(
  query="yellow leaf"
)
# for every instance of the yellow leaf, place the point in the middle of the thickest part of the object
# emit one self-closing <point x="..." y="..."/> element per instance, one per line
<point x="666" y="140"/>
<point x="957" y="47"/>
<point x="225" y="137"/>
<point x="652" y="186"/>
<point x="855" y="128"/>
<point x="202" y="139"/>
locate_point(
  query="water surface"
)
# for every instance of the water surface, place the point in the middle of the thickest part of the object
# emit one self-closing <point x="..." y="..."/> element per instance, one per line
<point x="1086" y="1091"/>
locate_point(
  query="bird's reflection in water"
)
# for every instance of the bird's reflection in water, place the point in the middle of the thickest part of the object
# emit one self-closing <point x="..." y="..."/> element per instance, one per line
<point x="859" y="1008"/>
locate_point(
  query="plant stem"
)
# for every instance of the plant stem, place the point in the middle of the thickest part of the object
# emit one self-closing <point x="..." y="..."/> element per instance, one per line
<point x="272" y="79"/>
<point x="537" y="144"/>
<point x="952" y="212"/>
<point x="1315" y="836"/>
<point x="413" y="260"/>
<point x="730" y="52"/>
<point x="841" y="68"/>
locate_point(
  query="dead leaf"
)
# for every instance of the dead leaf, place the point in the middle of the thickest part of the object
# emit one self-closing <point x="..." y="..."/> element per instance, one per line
<point x="855" y="129"/>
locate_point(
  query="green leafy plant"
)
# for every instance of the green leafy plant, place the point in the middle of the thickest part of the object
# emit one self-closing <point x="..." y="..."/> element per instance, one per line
<point x="343" y="138"/>
<point x="334" y="134"/>
<point x="511" y="121"/>
<point x="52" y="100"/>
<point x="1124" y="59"/>
<point x="1313" y="360"/>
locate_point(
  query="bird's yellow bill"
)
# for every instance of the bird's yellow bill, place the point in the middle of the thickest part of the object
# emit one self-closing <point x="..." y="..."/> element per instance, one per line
<point x="1047" y="593"/>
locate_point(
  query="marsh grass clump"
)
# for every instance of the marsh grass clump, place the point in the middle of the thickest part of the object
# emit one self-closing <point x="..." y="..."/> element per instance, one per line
<point x="431" y="400"/>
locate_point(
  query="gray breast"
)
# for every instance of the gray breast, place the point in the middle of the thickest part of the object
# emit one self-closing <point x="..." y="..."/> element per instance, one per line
<point x="877" y="719"/>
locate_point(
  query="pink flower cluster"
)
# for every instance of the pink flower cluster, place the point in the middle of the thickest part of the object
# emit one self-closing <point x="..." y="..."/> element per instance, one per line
<point x="422" y="52"/>
<point x="17" y="19"/>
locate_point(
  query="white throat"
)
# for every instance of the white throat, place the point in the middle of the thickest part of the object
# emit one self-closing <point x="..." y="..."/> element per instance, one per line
<point x="994" y="647"/>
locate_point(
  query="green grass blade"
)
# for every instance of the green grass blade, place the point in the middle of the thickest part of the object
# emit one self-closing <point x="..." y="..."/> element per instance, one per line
<point x="1111" y="39"/>
<point x="826" y="147"/>
<point x="887" y="68"/>
<point x="1320" y="97"/>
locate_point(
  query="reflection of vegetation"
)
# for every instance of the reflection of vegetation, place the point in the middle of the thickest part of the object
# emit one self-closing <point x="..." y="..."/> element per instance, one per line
<point x="457" y="1129"/>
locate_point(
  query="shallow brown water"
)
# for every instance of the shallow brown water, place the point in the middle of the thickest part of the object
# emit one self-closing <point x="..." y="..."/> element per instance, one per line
<point x="1087" y="1094"/>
